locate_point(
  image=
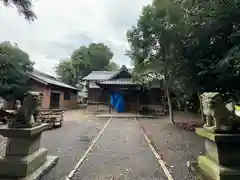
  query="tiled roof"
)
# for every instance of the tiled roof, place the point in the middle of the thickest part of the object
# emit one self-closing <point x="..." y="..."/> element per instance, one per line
<point x="47" y="79"/>
<point x="100" y="75"/>
<point x="105" y="75"/>
<point x="123" y="81"/>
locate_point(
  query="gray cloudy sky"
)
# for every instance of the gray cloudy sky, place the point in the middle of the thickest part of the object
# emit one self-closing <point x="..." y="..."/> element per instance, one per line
<point x="64" y="25"/>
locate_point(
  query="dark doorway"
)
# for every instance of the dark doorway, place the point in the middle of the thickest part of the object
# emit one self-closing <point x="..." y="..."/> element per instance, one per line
<point x="54" y="100"/>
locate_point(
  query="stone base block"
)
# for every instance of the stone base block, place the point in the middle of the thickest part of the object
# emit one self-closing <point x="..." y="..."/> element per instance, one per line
<point x="38" y="173"/>
<point x="18" y="166"/>
<point x="224" y="149"/>
<point x="23" y="132"/>
<point x="216" y="172"/>
<point x="22" y="146"/>
<point x="195" y="170"/>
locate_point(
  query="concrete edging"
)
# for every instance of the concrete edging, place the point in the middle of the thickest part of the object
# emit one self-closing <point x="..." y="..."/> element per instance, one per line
<point x="123" y="116"/>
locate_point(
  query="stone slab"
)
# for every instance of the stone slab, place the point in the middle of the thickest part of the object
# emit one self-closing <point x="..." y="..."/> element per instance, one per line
<point x="38" y="173"/>
<point x="217" y="172"/>
<point x="123" y="116"/>
<point x="22" y="146"/>
<point x="23" y="132"/>
<point x="223" y="153"/>
<point x="218" y="138"/>
<point x="20" y="166"/>
<point x="15" y="124"/>
<point x="224" y="149"/>
<point x="194" y="169"/>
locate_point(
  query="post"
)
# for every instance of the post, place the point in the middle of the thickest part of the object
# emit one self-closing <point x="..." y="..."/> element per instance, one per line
<point x="201" y="107"/>
<point x="109" y="104"/>
<point x="137" y="102"/>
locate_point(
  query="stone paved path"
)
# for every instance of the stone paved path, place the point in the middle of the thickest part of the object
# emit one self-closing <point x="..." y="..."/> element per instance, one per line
<point x="121" y="153"/>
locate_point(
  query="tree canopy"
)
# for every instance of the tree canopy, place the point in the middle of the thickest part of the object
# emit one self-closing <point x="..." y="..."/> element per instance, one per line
<point x="197" y="40"/>
<point x="83" y="61"/>
<point x="194" y="44"/>
<point x="210" y="49"/>
<point x="65" y="70"/>
<point x="14" y="65"/>
<point x="154" y="43"/>
<point x="112" y="66"/>
<point x="90" y="58"/>
<point x="24" y="7"/>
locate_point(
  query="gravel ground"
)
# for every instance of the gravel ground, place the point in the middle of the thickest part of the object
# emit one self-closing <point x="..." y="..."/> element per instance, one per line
<point x="77" y="114"/>
<point x="69" y="143"/>
<point x="175" y="145"/>
<point x="121" y="153"/>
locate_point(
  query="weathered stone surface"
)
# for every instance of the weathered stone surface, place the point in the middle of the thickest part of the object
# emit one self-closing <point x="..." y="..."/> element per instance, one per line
<point x="23" y="155"/>
<point x="22" y="146"/>
<point x="224" y="149"/>
<point x="234" y="138"/>
<point x="19" y="166"/>
<point x="216" y="171"/>
<point x="23" y="132"/>
<point x="26" y="114"/>
<point x="219" y="112"/>
<point x="38" y="173"/>
<point x="20" y="125"/>
<point x="221" y="160"/>
<point x="223" y="153"/>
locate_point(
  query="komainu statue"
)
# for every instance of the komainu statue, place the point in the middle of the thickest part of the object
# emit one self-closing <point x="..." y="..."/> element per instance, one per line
<point x="17" y="105"/>
<point x="39" y="105"/>
<point x="27" y="113"/>
<point x="219" y="112"/>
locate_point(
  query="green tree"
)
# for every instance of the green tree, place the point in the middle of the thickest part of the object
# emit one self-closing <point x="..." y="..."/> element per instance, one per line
<point x="90" y="58"/>
<point x="211" y="48"/>
<point x="112" y="66"/>
<point x="154" y="43"/>
<point x="23" y="6"/>
<point x="84" y="60"/>
<point x="65" y="72"/>
<point x="194" y="44"/>
<point x="14" y="65"/>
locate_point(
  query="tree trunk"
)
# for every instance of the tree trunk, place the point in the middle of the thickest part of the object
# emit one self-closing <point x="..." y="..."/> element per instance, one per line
<point x="171" y="117"/>
<point x="201" y="107"/>
<point x="170" y="110"/>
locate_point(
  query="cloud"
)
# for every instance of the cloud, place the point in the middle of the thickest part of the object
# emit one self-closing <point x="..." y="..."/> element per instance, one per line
<point x="63" y="26"/>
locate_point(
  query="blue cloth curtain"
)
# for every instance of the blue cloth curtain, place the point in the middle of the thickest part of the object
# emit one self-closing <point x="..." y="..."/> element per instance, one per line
<point x="117" y="101"/>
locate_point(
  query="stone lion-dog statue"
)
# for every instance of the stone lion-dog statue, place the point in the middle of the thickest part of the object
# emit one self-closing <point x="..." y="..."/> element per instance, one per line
<point x="27" y="113"/>
<point x="219" y="112"/>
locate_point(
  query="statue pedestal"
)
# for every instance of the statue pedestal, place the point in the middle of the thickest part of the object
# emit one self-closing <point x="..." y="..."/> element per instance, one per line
<point x="24" y="159"/>
<point x="222" y="157"/>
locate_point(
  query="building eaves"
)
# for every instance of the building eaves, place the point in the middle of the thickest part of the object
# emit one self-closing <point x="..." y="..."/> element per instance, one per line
<point x="123" y="81"/>
<point x="100" y="75"/>
<point x="45" y="80"/>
